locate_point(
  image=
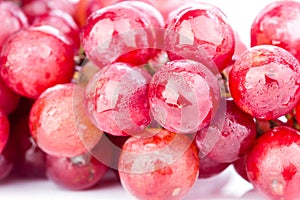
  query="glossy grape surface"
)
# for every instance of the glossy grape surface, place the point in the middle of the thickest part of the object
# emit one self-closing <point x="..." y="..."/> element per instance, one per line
<point x="59" y="124"/>
<point x="43" y="53"/>
<point x="264" y="82"/>
<point x="150" y="168"/>
<point x="277" y="24"/>
<point x="183" y="96"/>
<point x="235" y="139"/>
<point x="273" y="165"/>
<point x="202" y="33"/>
<point x="210" y="168"/>
<point x="76" y="173"/>
<point x="13" y="20"/>
<point x="63" y="22"/>
<point x="128" y="36"/>
<point x="117" y="99"/>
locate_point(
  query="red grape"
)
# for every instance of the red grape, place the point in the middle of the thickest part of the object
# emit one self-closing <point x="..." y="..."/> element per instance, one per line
<point x="117" y="99"/>
<point x="128" y="36"/>
<point x="41" y="52"/>
<point x="63" y="22"/>
<point x="277" y="24"/>
<point x="150" y="12"/>
<point x="4" y="130"/>
<point x="236" y="136"/>
<point x="240" y="167"/>
<point x="35" y="8"/>
<point x="7" y="159"/>
<point x="273" y="165"/>
<point x="76" y="173"/>
<point x="200" y="32"/>
<point x="9" y="100"/>
<point x="183" y="96"/>
<point x="58" y="122"/>
<point x="150" y="168"/>
<point x="13" y="20"/>
<point x="31" y="160"/>
<point x="209" y="168"/>
<point x="264" y="82"/>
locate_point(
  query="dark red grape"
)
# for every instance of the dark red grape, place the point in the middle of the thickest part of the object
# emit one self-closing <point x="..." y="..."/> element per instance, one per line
<point x="4" y="130"/>
<point x="59" y="124"/>
<point x="209" y="168"/>
<point x="183" y="96"/>
<point x="277" y="24"/>
<point x="31" y="160"/>
<point x="273" y="165"/>
<point x="202" y="33"/>
<point x="265" y="82"/>
<point x="117" y="99"/>
<point x="128" y="36"/>
<point x="7" y="159"/>
<point x="236" y="136"/>
<point x="9" y="100"/>
<point x="164" y="166"/>
<point x="240" y="167"/>
<point x="12" y="19"/>
<point x="43" y="53"/>
<point x="63" y="22"/>
<point x="76" y="173"/>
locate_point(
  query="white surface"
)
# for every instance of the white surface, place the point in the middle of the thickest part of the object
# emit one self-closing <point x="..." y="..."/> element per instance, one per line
<point x="227" y="185"/>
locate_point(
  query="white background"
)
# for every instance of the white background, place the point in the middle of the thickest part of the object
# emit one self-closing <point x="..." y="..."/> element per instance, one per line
<point x="227" y="185"/>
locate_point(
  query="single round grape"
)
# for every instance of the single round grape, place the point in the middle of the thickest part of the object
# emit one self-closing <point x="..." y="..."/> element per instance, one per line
<point x="277" y="24"/>
<point x="264" y="82"/>
<point x="59" y="124"/>
<point x="183" y="96"/>
<point x="273" y="165"/>
<point x="128" y="36"/>
<point x="41" y="52"/>
<point x="117" y="99"/>
<point x="200" y="32"/>
<point x="12" y="18"/>
<point x="164" y="166"/>
<point x="4" y="130"/>
<point x="209" y="168"/>
<point x="76" y="173"/>
<point x="236" y="137"/>
<point x="63" y="22"/>
<point x="9" y="100"/>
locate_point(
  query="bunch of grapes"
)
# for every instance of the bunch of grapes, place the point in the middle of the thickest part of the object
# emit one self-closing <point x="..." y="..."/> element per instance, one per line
<point x="163" y="95"/>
